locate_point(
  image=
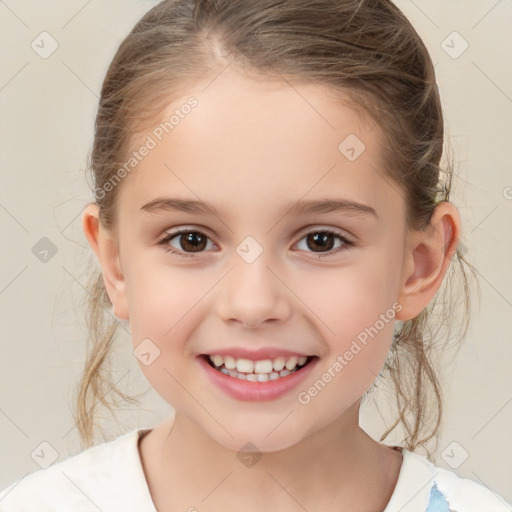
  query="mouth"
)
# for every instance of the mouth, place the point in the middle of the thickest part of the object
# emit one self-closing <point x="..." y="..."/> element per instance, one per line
<point x="257" y="371"/>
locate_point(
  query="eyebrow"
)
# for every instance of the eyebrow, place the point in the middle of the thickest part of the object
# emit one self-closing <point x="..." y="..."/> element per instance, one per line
<point x="163" y="204"/>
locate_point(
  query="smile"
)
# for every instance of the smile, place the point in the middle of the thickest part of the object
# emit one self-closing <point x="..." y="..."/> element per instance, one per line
<point x="257" y="371"/>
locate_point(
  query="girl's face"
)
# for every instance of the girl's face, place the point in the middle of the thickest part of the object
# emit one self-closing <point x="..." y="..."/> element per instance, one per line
<point x="260" y="274"/>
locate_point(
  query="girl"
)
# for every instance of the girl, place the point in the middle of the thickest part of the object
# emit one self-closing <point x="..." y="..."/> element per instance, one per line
<point x="272" y="220"/>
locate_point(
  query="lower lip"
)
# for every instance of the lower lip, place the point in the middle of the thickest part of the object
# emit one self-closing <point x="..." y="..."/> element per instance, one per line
<point x="256" y="391"/>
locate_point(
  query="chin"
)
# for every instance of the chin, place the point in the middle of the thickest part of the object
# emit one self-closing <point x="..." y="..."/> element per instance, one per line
<point x="256" y="441"/>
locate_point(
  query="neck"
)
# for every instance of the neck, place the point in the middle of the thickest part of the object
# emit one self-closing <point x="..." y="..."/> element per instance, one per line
<point x="338" y="462"/>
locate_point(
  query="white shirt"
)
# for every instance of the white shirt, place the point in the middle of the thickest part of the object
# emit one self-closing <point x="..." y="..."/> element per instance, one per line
<point x="110" y="478"/>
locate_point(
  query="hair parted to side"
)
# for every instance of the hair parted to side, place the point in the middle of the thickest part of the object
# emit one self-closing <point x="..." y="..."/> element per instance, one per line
<point x="368" y="50"/>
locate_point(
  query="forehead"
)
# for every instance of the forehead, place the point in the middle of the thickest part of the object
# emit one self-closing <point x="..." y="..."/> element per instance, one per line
<point x="253" y="140"/>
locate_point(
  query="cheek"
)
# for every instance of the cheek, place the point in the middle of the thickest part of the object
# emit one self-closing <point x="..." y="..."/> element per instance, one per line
<point x="356" y="306"/>
<point x="163" y="304"/>
<point x="359" y="337"/>
<point x="347" y="373"/>
<point x="158" y="323"/>
<point x="349" y="299"/>
<point x="166" y="305"/>
<point x="159" y="298"/>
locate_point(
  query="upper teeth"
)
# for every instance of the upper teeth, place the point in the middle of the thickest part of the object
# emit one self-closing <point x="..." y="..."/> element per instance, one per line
<point x="263" y="366"/>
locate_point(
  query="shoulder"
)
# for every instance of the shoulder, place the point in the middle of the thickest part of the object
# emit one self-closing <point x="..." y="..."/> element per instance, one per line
<point x="464" y="494"/>
<point x="423" y="486"/>
<point x="83" y="482"/>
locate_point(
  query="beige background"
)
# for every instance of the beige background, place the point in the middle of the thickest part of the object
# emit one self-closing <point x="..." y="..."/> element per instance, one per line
<point x="48" y="108"/>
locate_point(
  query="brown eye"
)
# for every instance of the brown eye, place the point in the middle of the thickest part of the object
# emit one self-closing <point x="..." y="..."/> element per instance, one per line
<point x="192" y="241"/>
<point x="185" y="241"/>
<point x="323" y="242"/>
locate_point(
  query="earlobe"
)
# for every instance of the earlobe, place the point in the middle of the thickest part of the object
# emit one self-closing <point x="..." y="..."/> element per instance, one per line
<point x="105" y="247"/>
<point x="429" y="253"/>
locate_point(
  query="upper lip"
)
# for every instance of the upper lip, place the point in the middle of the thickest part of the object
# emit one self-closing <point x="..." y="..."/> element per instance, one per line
<point x="255" y="355"/>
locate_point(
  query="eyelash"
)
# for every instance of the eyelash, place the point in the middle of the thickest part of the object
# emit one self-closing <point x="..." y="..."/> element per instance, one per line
<point x="346" y="243"/>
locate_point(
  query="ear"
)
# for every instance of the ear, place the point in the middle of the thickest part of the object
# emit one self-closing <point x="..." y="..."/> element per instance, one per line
<point x="105" y="247"/>
<point x="428" y="256"/>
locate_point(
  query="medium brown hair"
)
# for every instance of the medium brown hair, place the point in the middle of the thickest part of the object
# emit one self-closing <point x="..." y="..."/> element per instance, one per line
<point x="366" y="49"/>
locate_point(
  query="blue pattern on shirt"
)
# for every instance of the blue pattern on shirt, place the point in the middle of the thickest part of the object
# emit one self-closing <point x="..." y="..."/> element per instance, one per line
<point x="437" y="502"/>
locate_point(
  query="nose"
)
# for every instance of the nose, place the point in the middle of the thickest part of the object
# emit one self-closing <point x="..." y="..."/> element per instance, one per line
<point x="254" y="294"/>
